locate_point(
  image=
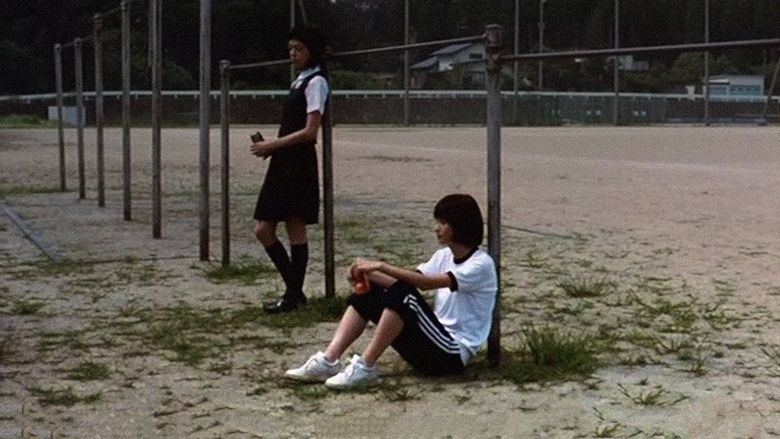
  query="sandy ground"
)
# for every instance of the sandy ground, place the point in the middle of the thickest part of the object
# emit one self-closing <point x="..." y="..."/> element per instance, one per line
<point x="678" y="221"/>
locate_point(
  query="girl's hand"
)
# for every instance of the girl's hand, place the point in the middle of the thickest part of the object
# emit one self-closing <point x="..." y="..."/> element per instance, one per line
<point x="362" y="267"/>
<point x="263" y="148"/>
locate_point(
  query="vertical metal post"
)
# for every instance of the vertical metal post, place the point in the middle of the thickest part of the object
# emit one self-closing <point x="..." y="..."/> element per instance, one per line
<point x="156" y="46"/>
<point x="327" y="202"/>
<point x="616" y="72"/>
<point x="541" y="43"/>
<point x="292" y="25"/>
<point x="126" y="164"/>
<point x="97" y="43"/>
<point x="515" y="64"/>
<point x="493" y="44"/>
<point x="79" y="78"/>
<point x="60" y="128"/>
<point x="406" y="63"/>
<point x="706" y="64"/>
<point x="224" y="123"/>
<point x="205" y="111"/>
<point x="771" y="88"/>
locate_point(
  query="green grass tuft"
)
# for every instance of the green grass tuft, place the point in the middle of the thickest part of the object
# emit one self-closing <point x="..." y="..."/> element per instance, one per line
<point x="550" y="355"/>
<point x="26" y="307"/>
<point x="89" y="371"/>
<point x="244" y="272"/>
<point x="580" y="287"/>
<point x="65" y="397"/>
<point x="25" y="121"/>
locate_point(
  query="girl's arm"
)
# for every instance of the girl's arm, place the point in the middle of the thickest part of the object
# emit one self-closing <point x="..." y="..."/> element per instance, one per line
<point x="308" y="134"/>
<point x="376" y="270"/>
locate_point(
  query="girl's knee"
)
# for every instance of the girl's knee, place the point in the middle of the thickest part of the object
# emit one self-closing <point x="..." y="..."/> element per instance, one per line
<point x="265" y="233"/>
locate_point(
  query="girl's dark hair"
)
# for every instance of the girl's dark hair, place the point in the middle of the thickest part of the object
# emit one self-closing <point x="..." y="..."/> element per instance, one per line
<point x="314" y="40"/>
<point x="462" y="213"/>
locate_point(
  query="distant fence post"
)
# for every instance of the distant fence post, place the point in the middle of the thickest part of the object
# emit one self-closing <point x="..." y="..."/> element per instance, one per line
<point x="224" y="123"/>
<point x="97" y="43"/>
<point x="203" y="122"/>
<point x="493" y="45"/>
<point x="60" y="128"/>
<point x="155" y="21"/>
<point x="79" y="72"/>
<point x="126" y="168"/>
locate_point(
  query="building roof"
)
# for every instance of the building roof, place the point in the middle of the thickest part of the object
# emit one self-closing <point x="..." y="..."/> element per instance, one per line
<point x="452" y="48"/>
<point x="737" y="79"/>
<point x="425" y="64"/>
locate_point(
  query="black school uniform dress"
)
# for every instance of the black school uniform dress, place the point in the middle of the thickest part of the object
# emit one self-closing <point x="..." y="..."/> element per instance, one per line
<point x="291" y="187"/>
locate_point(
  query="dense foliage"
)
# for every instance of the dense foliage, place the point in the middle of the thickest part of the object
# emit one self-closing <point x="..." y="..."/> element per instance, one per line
<point x="252" y="30"/>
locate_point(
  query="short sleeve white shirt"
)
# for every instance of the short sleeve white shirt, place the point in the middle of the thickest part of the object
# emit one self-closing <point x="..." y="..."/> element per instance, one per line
<point x="316" y="91"/>
<point x="467" y="312"/>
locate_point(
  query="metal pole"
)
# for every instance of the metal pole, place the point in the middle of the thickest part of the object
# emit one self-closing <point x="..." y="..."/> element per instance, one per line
<point x="224" y="118"/>
<point x="541" y="43"/>
<point x="60" y="128"/>
<point x="515" y="64"/>
<point x="126" y="164"/>
<point x="79" y="73"/>
<point x="205" y="110"/>
<point x="493" y="44"/>
<point x="616" y="73"/>
<point x="156" y="22"/>
<point x="98" y="46"/>
<point x="327" y="202"/>
<point x="771" y="88"/>
<point x="707" y="64"/>
<point x="292" y="25"/>
<point x="406" y="64"/>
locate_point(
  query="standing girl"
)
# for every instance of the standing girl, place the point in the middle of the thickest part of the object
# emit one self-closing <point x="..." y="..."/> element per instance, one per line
<point x="290" y="192"/>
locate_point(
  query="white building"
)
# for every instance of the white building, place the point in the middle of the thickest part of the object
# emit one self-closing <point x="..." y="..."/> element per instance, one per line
<point x="467" y="58"/>
<point x="736" y="86"/>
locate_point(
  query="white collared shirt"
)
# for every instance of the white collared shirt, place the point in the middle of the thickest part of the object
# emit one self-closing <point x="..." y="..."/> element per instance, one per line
<point x="316" y="91"/>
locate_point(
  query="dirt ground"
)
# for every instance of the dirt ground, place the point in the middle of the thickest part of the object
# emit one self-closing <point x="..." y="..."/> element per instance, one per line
<point x="129" y="337"/>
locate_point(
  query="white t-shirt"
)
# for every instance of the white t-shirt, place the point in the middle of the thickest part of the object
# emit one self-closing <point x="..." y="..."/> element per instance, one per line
<point x="467" y="312"/>
<point x="316" y="91"/>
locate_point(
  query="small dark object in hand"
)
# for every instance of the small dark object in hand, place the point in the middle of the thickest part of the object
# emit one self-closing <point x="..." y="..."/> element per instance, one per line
<point x="256" y="137"/>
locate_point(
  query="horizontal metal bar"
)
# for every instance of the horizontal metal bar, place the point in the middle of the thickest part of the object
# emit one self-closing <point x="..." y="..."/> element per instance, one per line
<point x="404" y="47"/>
<point x="279" y="62"/>
<point x="109" y="13"/>
<point x="417" y="94"/>
<point x="694" y="47"/>
<point x="366" y="51"/>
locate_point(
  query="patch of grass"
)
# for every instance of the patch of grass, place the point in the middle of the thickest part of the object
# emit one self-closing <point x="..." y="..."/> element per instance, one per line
<point x="319" y="309"/>
<point x="65" y="397"/>
<point x="6" y="347"/>
<point x="551" y="355"/>
<point x="27" y="190"/>
<point x="581" y="287"/>
<point x="25" y="121"/>
<point x="26" y="307"/>
<point x="773" y="354"/>
<point x="89" y="371"/>
<point x="657" y="396"/>
<point x="244" y="272"/>
<point x="192" y="334"/>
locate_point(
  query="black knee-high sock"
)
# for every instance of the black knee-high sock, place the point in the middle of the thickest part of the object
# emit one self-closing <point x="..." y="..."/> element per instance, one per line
<point x="278" y="255"/>
<point x="299" y="257"/>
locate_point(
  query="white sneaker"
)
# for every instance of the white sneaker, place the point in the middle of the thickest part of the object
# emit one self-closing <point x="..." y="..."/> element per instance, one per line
<point x="316" y="369"/>
<point x="356" y="374"/>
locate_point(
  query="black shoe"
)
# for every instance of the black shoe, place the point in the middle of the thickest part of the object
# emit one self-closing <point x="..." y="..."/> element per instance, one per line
<point x="284" y="304"/>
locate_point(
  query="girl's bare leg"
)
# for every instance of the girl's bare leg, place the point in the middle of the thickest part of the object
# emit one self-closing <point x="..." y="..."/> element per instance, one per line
<point x="388" y="328"/>
<point x="350" y="328"/>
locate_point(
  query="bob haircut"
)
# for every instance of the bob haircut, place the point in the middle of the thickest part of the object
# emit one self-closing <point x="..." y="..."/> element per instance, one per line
<point x="462" y="213"/>
<point x="314" y="40"/>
